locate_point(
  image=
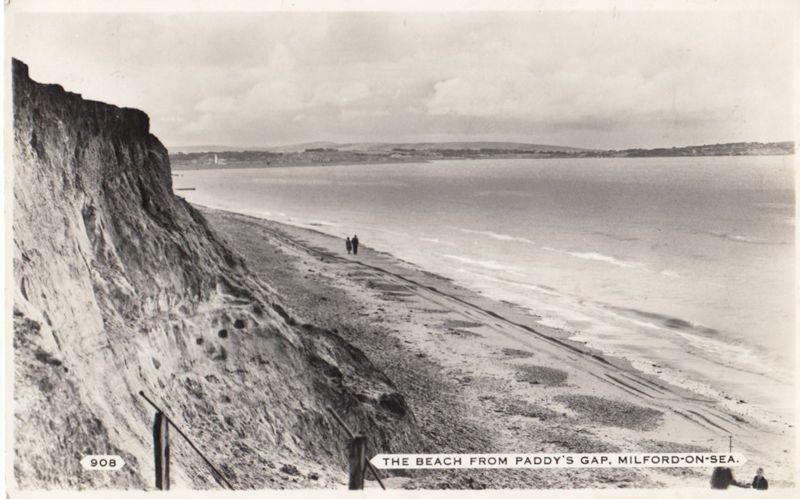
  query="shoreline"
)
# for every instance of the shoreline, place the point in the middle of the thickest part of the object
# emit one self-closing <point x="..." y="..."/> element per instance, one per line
<point x="525" y="386"/>
<point x="714" y="376"/>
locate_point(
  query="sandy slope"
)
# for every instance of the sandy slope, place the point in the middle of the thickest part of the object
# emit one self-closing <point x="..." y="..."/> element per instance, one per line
<point x="484" y="376"/>
<point x="119" y="286"/>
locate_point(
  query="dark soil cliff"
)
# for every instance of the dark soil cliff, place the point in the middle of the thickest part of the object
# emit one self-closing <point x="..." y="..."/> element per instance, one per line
<point x="120" y="286"/>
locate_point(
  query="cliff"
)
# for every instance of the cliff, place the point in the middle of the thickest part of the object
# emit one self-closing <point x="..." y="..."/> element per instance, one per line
<point x="120" y="286"/>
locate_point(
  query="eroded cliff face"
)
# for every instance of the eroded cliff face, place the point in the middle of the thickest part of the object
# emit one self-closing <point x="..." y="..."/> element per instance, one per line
<point x="120" y="286"/>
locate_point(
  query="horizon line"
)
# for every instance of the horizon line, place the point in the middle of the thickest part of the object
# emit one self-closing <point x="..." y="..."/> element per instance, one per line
<point x="254" y="147"/>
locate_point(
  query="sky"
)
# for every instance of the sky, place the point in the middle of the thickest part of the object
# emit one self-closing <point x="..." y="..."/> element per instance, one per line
<point x="585" y="79"/>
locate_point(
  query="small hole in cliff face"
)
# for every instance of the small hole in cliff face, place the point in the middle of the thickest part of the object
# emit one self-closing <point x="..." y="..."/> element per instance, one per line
<point x="258" y="309"/>
<point x="285" y="316"/>
<point x="156" y="363"/>
<point x="221" y="355"/>
<point x="238" y="324"/>
<point x="394" y="402"/>
<point x="223" y="333"/>
<point x="199" y="341"/>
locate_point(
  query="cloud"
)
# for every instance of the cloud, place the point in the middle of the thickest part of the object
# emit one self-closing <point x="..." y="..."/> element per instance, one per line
<point x="584" y="79"/>
<point x="340" y="95"/>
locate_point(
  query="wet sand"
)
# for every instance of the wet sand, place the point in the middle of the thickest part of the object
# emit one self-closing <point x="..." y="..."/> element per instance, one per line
<point x="484" y="376"/>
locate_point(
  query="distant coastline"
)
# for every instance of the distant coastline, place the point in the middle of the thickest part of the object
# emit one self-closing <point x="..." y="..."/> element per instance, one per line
<point x="321" y="154"/>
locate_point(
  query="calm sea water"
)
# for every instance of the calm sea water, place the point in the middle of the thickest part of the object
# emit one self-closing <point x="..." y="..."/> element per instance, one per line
<point x="683" y="265"/>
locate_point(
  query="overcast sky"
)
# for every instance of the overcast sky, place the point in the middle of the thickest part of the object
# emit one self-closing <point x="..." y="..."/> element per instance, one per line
<point x="578" y="79"/>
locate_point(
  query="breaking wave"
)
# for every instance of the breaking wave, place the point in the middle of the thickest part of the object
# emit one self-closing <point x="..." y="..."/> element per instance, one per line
<point x="495" y="235"/>
<point x="599" y="257"/>
<point x="744" y="238"/>
<point x="487" y="264"/>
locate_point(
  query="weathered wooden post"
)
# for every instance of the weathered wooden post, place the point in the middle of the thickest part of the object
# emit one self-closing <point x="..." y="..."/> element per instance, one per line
<point x="354" y="444"/>
<point x="161" y="448"/>
<point x="357" y="455"/>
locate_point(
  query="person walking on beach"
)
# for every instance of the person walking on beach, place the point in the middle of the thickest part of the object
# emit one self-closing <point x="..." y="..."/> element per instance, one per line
<point x="759" y="482"/>
<point x="354" y="242"/>
<point x="348" y="245"/>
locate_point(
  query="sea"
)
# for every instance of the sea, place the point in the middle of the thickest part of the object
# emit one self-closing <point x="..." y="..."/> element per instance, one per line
<point x="684" y="266"/>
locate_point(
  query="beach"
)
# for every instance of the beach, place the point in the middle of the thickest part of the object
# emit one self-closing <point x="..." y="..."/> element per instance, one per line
<point x="652" y="260"/>
<point x="482" y="375"/>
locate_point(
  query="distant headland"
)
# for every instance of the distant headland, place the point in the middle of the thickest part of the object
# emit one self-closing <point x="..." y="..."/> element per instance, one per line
<point x="330" y="153"/>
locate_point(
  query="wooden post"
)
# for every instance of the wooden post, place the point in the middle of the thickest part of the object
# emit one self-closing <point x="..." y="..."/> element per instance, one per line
<point x="357" y="455"/>
<point x="161" y="449"/>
